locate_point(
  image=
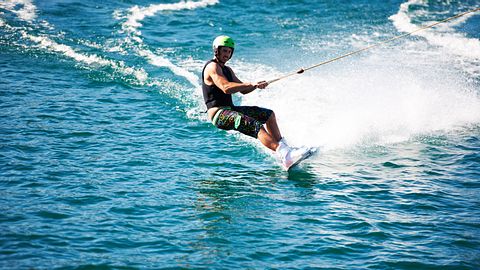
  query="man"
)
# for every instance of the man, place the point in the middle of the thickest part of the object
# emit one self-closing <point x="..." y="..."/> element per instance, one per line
<point x="219" y="82"/>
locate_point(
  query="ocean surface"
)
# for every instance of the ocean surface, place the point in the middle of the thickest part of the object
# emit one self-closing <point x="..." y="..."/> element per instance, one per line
<point x="107" y="159"/>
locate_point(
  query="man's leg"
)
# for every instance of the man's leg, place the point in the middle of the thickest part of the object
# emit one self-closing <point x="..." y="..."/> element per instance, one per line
<point x="266" y="116"/>
<point x="267" y="139"/>
<point x="272" y="127"/>
<point x="230" y="119"/>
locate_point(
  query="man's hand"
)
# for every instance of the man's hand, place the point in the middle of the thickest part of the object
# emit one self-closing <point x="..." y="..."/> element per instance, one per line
<point x="261" y="85"/>
<point x="253" y="86"/>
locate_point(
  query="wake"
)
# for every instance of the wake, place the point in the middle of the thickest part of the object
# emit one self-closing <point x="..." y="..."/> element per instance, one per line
<point x="132" y="24"/>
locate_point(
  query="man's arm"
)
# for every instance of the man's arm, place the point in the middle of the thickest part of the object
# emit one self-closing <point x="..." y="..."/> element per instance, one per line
<point x="260" y="85"/>
<point x="214" y="73"/>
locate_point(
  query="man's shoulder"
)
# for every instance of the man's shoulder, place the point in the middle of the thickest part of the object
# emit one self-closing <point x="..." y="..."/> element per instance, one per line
<point x="210" y="67"/>
<point x="214" y="66"/>
<point x="210" y="63"/>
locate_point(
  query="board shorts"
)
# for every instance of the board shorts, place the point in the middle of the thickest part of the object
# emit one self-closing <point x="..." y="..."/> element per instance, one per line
<point x="245" y="119"/>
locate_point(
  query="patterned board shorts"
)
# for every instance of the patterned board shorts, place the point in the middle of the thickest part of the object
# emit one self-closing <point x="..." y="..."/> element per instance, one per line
<point x="245" y="119"/>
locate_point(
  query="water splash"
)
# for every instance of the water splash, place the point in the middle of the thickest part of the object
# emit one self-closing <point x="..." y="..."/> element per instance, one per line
<point x="388" y="96"/>
<point x="367" y="106"/>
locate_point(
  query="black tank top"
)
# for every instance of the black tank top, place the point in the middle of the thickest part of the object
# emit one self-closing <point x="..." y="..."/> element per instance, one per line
<point x="214" y="96"/>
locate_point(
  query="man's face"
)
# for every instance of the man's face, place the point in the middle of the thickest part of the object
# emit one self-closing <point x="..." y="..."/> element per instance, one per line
<point x="224" y="54"/>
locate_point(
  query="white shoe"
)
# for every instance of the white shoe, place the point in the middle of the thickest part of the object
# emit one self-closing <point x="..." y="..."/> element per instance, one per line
<point x="295" y="156"/>
<point x="292" y="156"/>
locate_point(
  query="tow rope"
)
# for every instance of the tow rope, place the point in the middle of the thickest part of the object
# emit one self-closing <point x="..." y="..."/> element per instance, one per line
<point x="302" y="70"/>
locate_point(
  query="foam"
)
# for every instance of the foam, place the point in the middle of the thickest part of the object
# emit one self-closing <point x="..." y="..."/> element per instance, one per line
<point x="133" y="21"/>
<point x="160" y="61"/>
<point x="24" y="9"/>
<point x="138" y="14"/>
<point x="89" y="59"/>
<point x="27" y="12"/>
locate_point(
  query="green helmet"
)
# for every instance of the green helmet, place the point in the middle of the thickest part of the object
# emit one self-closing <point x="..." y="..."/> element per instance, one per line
<point x="223" y="41"/>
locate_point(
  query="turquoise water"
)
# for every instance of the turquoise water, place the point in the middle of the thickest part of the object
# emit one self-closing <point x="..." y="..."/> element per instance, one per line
<point x="107" y="160"/>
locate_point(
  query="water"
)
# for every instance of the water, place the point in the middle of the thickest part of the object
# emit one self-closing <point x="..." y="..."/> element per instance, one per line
<point x="108" y="161"/>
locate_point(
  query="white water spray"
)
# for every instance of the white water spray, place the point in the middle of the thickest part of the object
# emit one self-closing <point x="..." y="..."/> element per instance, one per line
<point x="389" y="96"/>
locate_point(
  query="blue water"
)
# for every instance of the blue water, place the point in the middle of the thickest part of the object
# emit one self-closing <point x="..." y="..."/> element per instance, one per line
<point x="107" y="160"/>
